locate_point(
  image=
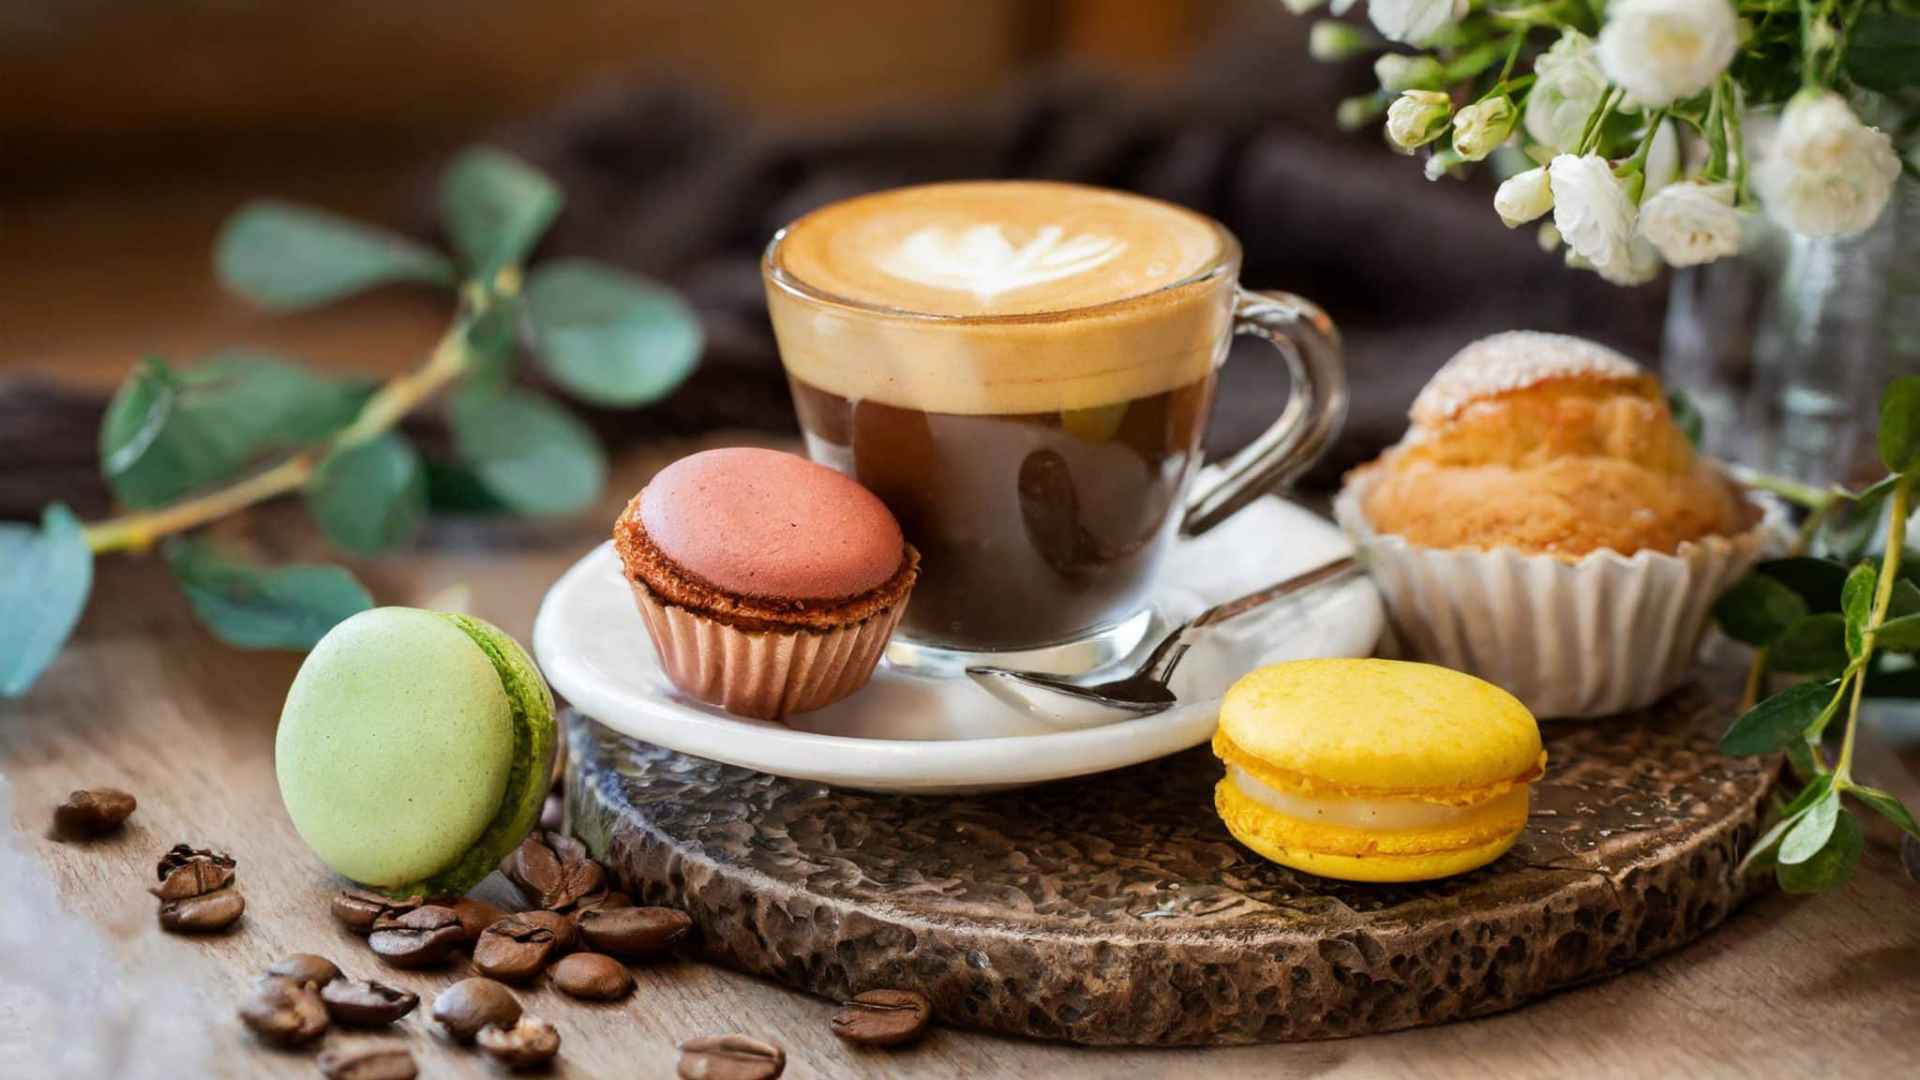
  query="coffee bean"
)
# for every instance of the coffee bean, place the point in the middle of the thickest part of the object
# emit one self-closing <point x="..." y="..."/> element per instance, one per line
<point x="94" y="812"/>
<point x="180" y="855"/>
<point x="359" y="909"/>
<point x="370" y="1062"/>
<point x="471" y="1004"/>
<point x="205" y="914"/>
<point x="365" y="1003"/>
<point x="592" y="977"/>
<point x="475" y="916"/>
<point x="306" y="968"/>
<point x="528" y="1044"/>
<point x="196" y="877"/>
<point x="553" y="812"/>
<point x="634" y="933"/>
<point x="422" y="937"/>
<point x="566" y="930"/>
<point x="730" y="1057"/>
<point x="553" y="870"/>
<point x="284" y="1012"/>
<point x="883" y="1018"/>
<point x="515" y="949"/>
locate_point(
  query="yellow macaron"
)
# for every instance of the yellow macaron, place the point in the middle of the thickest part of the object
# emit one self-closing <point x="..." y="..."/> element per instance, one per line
<point x="1375" y="770"/>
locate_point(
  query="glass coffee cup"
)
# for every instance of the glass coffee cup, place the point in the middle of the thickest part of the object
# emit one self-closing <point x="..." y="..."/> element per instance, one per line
<point x="1023" y="372"/>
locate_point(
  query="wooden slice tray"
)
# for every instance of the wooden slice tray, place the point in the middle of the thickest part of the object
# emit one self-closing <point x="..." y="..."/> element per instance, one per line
<point x="1117" y="910"/>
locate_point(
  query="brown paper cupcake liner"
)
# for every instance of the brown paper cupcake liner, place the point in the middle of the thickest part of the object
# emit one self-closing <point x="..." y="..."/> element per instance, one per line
<point x="766" y="675"/>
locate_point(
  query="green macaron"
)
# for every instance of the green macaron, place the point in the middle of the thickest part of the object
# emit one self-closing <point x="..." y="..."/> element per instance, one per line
<point x="414" y="749"/>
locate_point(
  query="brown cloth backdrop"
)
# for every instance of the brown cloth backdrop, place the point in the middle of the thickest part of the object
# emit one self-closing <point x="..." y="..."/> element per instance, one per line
<point x="661" y="180"/>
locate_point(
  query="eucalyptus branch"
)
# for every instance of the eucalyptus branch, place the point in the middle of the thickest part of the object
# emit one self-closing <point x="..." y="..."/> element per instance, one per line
<point x="402" y="395"/>
<point x="185" y="447"/>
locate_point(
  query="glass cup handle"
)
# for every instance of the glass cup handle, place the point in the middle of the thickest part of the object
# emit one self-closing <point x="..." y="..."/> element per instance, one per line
<point x="1316" y="407"/>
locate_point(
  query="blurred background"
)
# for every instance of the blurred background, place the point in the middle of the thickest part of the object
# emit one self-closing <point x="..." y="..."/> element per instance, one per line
<point x="684" y="134"/>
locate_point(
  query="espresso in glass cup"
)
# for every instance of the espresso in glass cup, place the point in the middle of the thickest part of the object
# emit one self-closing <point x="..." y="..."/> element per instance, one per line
<point x="1023" y="371"/>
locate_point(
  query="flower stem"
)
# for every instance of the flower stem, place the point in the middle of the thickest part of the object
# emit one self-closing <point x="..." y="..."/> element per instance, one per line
<point x="1882" y="598"/>
<point x="399" y="396"/>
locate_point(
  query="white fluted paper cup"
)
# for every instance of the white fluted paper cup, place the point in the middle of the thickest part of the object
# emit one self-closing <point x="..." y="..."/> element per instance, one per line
<point x="1601" y="634"/>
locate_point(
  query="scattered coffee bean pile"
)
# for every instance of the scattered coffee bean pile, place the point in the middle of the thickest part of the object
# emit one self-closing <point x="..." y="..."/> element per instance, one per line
<point x="196" y="891"/>
<point x="580" y="932"/>
<point x="297" y="999"/>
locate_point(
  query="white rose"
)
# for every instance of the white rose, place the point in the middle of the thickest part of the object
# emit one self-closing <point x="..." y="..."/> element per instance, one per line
<point x="1641" y="265"/>
<point x="1480" y="128"/>
<point x="1414" y="22"/>
<point x="1660" y="51"/>
<point x="1592" y="211"/>
<point x="1417" y="117"/>
<point x="1567" y="86"/>
<point x="1523" y="197"/>
<point x="1825" y="173"/>
<point x="1691" y="222"/>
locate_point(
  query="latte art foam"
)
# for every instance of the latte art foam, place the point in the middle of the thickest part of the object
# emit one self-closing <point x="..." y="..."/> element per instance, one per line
<point x="981" y="260"/>
<point x="996" y="248"/>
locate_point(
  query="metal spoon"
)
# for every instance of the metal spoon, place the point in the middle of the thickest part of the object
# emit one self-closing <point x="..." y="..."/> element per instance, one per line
<point x="1060" y="700"/>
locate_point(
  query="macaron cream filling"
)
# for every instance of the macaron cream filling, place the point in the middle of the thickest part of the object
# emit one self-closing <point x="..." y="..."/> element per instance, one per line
<point x="1385" y="813"/>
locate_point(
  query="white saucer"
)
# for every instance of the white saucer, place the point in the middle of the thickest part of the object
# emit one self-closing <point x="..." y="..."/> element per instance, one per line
<point x="919" y="735"/>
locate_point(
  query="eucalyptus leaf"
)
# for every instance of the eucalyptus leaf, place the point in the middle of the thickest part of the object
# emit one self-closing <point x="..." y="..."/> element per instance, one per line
<point x="495" y="208"/>
<point x="1850" y="530"/>
<point x="1888" y="807"/>
<point x="1809" y="835"/>
<point x="45" y="576"/>
<point x="1817" y="581"/>
<point x="529" y="452"/>
<point x="1816" y="645"/>
<point x="1686" y="416"/>
<point x="1900" y="635"/>
<point x="1758" y="609"/>
<point x="169" y="433"/>
<point x="371" y="496"/>
<point x="609" y="337"/>
<point x="289" y="257"/>
<point x="1831" y="865"/>
<point x="1900" y="423"/>
<point x="1790" y="816"/>
<point x="1856" y="606"/>
<point x="257" y="607"/>
<point x="1778" y="721"/>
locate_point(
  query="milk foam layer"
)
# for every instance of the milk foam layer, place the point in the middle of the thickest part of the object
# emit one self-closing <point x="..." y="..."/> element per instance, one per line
<point x="1066" y="297"/>
<point x="996" y="247"/>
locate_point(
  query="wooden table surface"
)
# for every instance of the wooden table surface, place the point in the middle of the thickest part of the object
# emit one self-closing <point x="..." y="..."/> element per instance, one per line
<point x="144" y="700"/>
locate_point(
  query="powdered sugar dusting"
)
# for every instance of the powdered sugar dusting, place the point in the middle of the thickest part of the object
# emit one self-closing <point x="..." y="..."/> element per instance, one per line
<point x="1511" y="361"/>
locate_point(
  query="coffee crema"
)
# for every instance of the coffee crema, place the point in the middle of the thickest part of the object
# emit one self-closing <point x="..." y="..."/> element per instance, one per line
<point x="1102" y="298"/>
<point x="988" y="248"/>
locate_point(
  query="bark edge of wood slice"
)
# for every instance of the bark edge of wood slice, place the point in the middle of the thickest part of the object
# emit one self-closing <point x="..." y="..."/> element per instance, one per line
<point x="1116" y="910"/>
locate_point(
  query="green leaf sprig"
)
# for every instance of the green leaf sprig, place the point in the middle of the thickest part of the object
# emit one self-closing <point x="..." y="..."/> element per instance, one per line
<point x="182" y="447"/>
<point x="1849" y="620"/>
